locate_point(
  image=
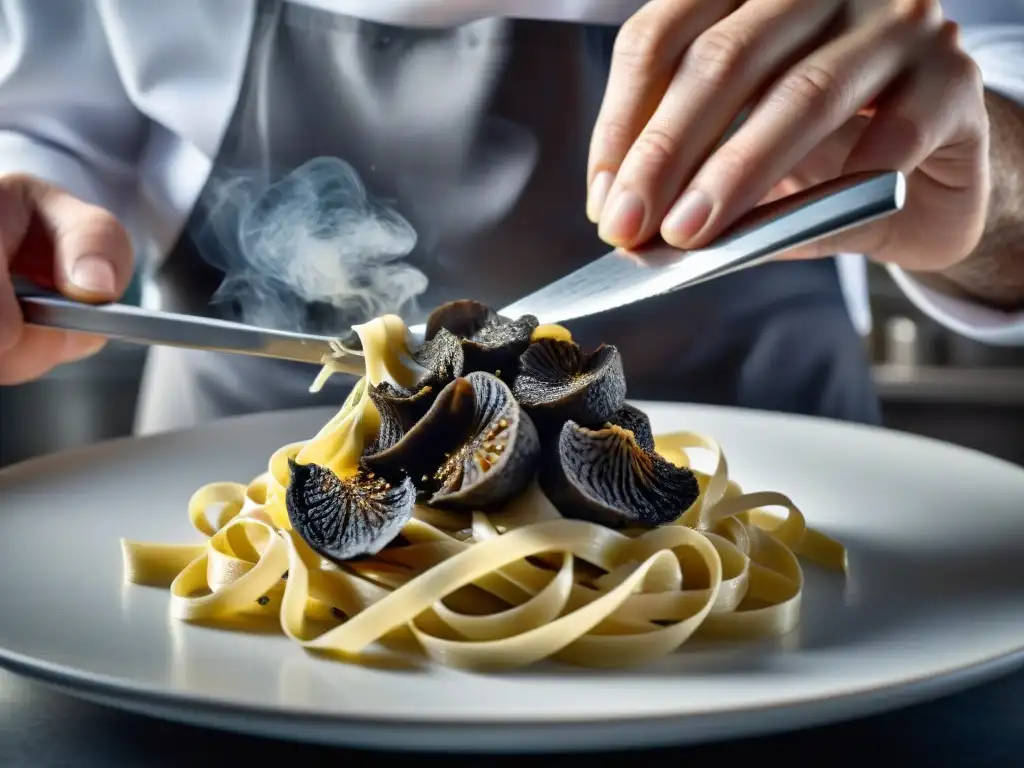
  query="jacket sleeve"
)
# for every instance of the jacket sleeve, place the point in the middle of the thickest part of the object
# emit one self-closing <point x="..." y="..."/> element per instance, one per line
<point x="64" y="113"/>
<point x="999" y="53"/>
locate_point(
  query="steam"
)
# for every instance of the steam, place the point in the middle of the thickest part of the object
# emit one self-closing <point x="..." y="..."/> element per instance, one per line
<point x="310" y="252"/>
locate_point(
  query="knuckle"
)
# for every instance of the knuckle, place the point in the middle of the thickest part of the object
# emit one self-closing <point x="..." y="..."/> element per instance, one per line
<point x="104" y="223"/>
<point x="654" y="152"/>
<point x="814" y="90"/>
<point x="613" y="137"/>
<point x="965" y="95"/>
<point x="915" y="15"/>
<point x="716" y="57"/>
<point x="909" y="135"/>
<point x="641" y="44"/>
<point x="964" y="69"/>
<point x="908" y="12"/>
<point x="731" y="165"/>
<point x="949" y="34"/>
<point x="15" y="202"/>
<point x="16" y="179"/>
<point x="96" y="229"/>
<point x="23" y="183"/>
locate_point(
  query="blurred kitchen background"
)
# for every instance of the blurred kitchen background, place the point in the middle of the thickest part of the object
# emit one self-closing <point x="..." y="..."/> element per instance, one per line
<point x="931" y="381"/>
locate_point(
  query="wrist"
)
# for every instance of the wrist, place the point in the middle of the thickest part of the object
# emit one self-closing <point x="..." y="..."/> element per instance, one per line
<point x="993" y="273"/>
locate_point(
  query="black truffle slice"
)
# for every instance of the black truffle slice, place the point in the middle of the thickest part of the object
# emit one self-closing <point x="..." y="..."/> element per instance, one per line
<point x="342" y="519"/>
<point x="490" y="342"/>
<point x="399" y="410"/>
<point x="464" y="318"/>
<point x="395" y="410"/>
<point x="474" y="449"/>
<point x="558" y="382"/>
<point x="443" y="358"/>
<point x="418" y="451"/>
<point x="636" y="421"/>
<point x="603" y="476"/>
<point x="500" y="457"/>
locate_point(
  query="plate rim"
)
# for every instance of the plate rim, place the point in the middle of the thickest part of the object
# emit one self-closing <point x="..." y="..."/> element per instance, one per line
<point x="48" y="670"/>
<point x="506" y="736"/>
<point x="100" y="686"/>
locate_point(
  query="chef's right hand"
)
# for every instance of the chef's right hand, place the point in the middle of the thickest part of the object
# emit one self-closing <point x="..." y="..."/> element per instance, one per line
<point x="57" y="242"/>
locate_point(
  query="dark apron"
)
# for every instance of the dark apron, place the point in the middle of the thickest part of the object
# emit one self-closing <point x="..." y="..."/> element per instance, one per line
<point x="471" y="144"/>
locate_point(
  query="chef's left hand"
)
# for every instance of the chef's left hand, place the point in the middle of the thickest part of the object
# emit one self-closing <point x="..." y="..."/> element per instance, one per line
<point x="832" y="87"/>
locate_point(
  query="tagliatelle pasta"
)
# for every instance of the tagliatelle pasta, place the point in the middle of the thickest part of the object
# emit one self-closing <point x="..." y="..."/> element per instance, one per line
<point x="495" y="590"/>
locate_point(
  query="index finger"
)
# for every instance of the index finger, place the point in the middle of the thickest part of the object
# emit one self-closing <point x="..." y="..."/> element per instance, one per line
<point x="647" y="52"/>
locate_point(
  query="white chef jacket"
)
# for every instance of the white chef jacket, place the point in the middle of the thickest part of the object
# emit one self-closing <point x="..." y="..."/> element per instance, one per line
<point x="124" y="103"/>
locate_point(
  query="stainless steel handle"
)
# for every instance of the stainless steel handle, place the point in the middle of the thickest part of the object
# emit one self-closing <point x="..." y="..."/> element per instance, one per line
<point x="142" y="326"/>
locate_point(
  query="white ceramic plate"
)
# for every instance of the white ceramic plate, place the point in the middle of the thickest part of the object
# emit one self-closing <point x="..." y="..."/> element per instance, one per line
<point x="935" y="601"/>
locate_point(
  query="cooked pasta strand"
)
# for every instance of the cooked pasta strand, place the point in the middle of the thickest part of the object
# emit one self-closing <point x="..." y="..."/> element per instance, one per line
<point x="564" y="589"/>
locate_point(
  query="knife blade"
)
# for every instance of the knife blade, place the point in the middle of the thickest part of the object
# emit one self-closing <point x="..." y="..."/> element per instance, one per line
<point x="614" y="280"/>
<point x="144" y="326"/>
<point x="625" y="277"/>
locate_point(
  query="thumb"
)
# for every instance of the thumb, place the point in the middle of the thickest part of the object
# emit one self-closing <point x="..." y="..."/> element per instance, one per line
<point x="55" y="239"/>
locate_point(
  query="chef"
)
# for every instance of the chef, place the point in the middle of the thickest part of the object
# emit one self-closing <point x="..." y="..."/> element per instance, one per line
<point x="309" y="165"/>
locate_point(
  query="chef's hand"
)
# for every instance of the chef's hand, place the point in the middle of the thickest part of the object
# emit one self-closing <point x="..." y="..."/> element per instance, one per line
<point x="56" y="241"/>
<point x="833" y="86"/>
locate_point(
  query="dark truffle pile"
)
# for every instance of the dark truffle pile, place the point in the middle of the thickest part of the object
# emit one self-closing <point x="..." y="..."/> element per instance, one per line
<point x="494" y="410"/>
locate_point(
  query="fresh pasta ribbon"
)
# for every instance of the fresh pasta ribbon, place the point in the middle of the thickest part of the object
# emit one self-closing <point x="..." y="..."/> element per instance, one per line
<point x="490" y="591"/>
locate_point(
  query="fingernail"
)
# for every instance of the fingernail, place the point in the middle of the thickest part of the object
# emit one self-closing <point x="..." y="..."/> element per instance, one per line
<point x="95" y="275"/>
<point x="687" y="217"/>
<point x="598" y="195"/>
<point x="622" y="220"/>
